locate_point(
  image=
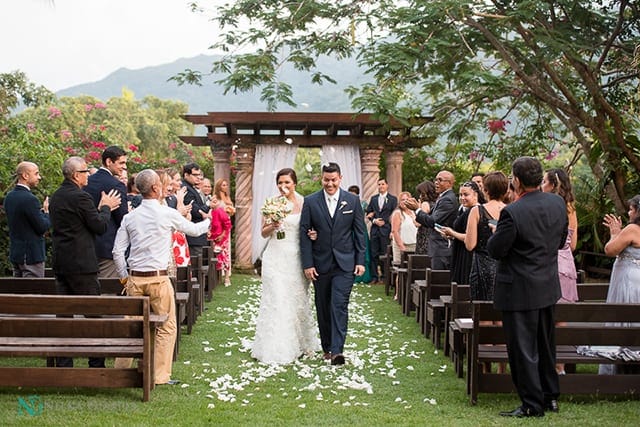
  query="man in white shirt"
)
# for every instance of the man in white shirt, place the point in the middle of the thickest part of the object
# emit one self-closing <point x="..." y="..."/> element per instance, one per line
<point x="147" y="229"/>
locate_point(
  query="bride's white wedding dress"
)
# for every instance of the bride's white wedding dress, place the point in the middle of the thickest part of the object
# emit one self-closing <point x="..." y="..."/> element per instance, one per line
<point x="285" y="327"/>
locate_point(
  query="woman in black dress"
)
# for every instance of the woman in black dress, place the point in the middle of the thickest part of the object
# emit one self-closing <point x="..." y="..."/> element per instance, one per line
<point x="483" y="268"/>
<point x="470" y="196"/>
<point x="427" y="197"/>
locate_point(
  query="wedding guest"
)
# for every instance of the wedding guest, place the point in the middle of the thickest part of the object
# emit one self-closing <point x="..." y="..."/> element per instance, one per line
<point x="483" y="266"/>
<point x="442" y="214"/>
<point x="403" y="228"/>
<point x="285" y="328"/>
<point x="114" y="163"/>
<point x="220" y="235"/>
<point x="379" y="213"/>
<point x="28" y="221"/>
<point x="147" y="232"/>
<point x="526" y="241"/>
<point x="205" y="188"/>
<point x="133" y="195"/>
<point x="191" y="176"/>
<point x="624" y="244"/>
<point x="76" y="222"/>
<point x="557" y="181"/>
<point x="427" y="196"/>
<point x="478" y="178"/>
<point x="461" y="257"/>
<point x="221" y="192"/>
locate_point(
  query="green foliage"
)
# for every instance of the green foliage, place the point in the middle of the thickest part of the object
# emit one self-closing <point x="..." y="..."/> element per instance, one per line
<point x="15" y="88"/>
<point x="308" y="170"/>
<point x="48" y="133"/>
<point x="554" y="71"/>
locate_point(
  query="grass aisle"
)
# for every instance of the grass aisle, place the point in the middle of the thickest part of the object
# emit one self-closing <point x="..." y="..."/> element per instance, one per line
<point x="393" y="376"/>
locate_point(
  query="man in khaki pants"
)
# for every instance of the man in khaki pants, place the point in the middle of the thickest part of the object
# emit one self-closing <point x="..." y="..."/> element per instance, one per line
<point x="147" y="230"/>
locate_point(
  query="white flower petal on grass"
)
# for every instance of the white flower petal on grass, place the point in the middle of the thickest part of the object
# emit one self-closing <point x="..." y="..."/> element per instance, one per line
<point x="184" y="385"/>
<point x="429" y="400"/>
<point x="211" y="406"/>
<point x="187" y="362"/>
<point x="410" y="368"/>
<point x="205" y="342"/>
<point x="395" y="382"/>
<point x="346" y="404"/>
<point x="398" y="399"/>
<point x="319" y="396"/>
<point x="302" y="405"/>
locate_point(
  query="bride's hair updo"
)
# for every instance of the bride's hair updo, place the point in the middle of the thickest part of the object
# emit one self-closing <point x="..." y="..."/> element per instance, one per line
<point x="287" y="171"/>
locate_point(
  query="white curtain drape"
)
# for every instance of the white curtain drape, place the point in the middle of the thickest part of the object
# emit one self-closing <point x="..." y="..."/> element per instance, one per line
<point x="269" y="159"/>
<point x="348" y="157"/>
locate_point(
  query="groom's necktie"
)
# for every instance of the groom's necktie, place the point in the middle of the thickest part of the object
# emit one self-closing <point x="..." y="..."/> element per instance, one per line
<point x="331" y="203"/>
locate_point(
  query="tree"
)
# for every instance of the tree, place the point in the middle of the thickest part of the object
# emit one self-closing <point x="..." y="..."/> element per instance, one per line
<point x="15" y="89"/>
<point x="502" y="77"/>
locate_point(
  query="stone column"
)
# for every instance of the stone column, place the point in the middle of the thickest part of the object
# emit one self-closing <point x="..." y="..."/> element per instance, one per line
<point x="221" y="162"/>
<point x="244" y="196"/>
<point x="369" y="161"/>
<point x="394" y="160"/>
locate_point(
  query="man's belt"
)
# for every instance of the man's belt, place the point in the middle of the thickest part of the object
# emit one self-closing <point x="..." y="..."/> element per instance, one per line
<point x="148" y="273"/>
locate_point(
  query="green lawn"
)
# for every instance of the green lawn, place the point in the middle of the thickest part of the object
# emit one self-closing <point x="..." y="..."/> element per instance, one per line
<point x="393" y="376"/>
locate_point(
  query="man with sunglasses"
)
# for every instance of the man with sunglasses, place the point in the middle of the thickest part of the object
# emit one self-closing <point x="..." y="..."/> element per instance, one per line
<point x="442" y="214"/>
<point x="76" y="222"/>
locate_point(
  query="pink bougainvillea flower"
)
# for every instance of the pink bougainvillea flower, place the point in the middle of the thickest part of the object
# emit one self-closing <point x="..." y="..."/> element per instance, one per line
<point x="102" y="128"/>
<point x="31" y="127"/>
<point x="138" y="160"/>
<point x="133" y="148"/>
<point x="431" y="160"/>
<point x="497" y="126"/>
<point x="70" y="150"/>
<point x="552" y="155"/>
<point x="54" y="112"/>
<point x="99" y="144"/>
<point x="94" y="155"/>
<point x="88" y="107"/>
<point x="473" y="155"/>
<point x="65" y="134"/>
<point x="172" y="161"/>
<point x="173" y="146"/>
<point x="99" y="106"/>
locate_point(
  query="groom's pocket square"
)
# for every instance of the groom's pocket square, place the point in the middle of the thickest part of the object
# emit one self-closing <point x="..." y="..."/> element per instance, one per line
<point x="347" y="212"/>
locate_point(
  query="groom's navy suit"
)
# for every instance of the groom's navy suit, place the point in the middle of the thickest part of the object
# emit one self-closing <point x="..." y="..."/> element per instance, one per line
<point x="338" y="249"/>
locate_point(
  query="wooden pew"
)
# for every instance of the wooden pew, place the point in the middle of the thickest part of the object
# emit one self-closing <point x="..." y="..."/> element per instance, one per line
<point x="415" y="270"/>
<point x="583" y="324"/>
<point x="184" y="284"/>
<point x="459" y="321"/>
<point x="115" y="326"/>
<point x="386" y="265"/>
<point x="458" y="308"/>
<point x="438" y="283"/>
<point x="108" y="286"/>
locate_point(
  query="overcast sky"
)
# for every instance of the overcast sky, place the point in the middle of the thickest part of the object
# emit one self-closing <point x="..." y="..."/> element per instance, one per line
<point x="63" y="43"/>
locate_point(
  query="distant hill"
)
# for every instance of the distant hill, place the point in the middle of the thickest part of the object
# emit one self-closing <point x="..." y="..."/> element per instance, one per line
<point x="209" y="97"/>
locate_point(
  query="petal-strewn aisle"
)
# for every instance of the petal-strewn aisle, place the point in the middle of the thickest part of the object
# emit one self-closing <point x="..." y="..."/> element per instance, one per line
<point x="379" y="356"/>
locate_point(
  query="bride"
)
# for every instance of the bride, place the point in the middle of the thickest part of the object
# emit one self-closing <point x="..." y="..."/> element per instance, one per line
<point x="285" y="328"/>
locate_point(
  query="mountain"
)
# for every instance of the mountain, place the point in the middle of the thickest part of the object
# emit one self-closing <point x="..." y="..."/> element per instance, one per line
<point x="209" y="97"/>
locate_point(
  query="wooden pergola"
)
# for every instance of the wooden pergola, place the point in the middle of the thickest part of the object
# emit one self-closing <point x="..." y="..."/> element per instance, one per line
<point x="246" y="130"/>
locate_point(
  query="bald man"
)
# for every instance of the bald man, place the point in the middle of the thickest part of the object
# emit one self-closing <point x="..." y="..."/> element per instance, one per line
<point x="28" y="221"/>
<point x="443" y="214"/>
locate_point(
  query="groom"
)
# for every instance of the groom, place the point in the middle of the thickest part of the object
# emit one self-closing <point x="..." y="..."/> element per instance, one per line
<point x="332" y="260"/>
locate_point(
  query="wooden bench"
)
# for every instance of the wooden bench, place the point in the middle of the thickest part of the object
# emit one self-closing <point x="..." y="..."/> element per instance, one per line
<point x="583" y="324"/>
<point x="108" y="286"/>
<point x="115" y="326"/>
<point x="460" y="322"/>
<point x="211" y="276"/>
<point x="459" y="308"/>
<point x="437" y="284"/>
<point x="399" y="277"/>
<point x="183" y="284"/>
<point x="386" y="264"/>
<point x="415" y="270"/>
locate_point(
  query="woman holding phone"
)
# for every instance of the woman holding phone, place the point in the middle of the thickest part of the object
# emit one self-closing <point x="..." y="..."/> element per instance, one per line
<point x="483" y="267"/>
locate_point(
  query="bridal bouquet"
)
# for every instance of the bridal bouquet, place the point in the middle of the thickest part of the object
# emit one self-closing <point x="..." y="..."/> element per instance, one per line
<point x="275" y="209"/>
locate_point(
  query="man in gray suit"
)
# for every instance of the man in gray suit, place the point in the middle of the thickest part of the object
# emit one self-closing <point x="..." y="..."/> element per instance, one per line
<point x="442" y="214"/>
<point x="525" y="243"/>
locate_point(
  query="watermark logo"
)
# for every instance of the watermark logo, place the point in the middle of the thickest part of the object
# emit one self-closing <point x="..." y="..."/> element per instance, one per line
<point x="31" y="405"/>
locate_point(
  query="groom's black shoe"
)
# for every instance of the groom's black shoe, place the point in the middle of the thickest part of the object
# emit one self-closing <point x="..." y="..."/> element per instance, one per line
<point x="337" y="359"/>
<point x="326" y="356"/>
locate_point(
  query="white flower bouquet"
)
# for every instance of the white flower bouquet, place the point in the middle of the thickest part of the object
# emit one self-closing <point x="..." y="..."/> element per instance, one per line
<point x="275" y="209"/>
